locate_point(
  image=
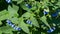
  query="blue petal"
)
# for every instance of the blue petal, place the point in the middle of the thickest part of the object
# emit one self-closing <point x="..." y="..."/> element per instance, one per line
<point x="18" y="28"/>
<point x="51" y="30"/>
<point x="8" y="21"/>
<point x="12" y="25"/>
<point x="8" y="1"/>
<point x="45" y="12"/>
<point x="28" y="22"/>
<point x="15" y="27"/>
<point x="54" y="15"/>
<point x="29" y="6"/>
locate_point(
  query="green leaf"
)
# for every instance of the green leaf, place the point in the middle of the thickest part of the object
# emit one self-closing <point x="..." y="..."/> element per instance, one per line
<point x="23" y="25"/>
<point x="33" y="8"/>
<point x="6" y="29"/>
<point x="4" y="15"/>
<point x="38" y="4"/>
<point x="31" y="0"/>
<point x="14" y="0"/>
<point x="23" y="5"/>
<point x="13" y="11"/>
<point x="27" y="15"/>
<point x="43" y="19"/>
<point x="34" y="21"/>
<point x="58" y="3"/>
<point x="3" y="12"/>
<point x="58" y="32"/>
<point x="14" y="20"/>
<point x="43" y="33"/>
<point x="0" y="23"/>
<point x="20" y="1"/>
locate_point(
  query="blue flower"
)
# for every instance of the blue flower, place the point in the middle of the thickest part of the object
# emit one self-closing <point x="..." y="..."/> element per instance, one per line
<point x="29" y="6"/>
<point x="17" y="28"/>
<point x="8" y="21"/>
<point x="45" y="13"/>
<point x="51" y="30"/>
<point x="28" y="22"/>
<point x="54" y="15"/>
<point x="12" y="25"/>
<point x="8" y="1"/>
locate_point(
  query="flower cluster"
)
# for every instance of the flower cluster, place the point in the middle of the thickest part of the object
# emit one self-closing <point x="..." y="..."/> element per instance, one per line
<point x="13" y="25"/>
<point x="51" y="29"/>
<point x="45" y="13"/>
<point x="28" y="22"/>
<point x="29" y="6"/>
<point x="54" y="15"/>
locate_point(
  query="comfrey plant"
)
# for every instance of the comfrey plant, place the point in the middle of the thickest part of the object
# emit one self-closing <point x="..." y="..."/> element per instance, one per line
<point x="15" y="10"/>
<point x="12" y="25"/>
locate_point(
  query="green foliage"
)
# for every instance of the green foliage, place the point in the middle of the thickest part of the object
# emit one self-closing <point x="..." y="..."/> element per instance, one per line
<point x="17" y="12"/>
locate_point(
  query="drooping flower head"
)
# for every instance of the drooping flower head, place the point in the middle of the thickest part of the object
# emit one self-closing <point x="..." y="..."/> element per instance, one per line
<point x="28" y="22"/>
<point x="51" y="30"/>
<point x="8" y="1"/>
<point x="29" y="6"/>
<point x="54" y="15"/>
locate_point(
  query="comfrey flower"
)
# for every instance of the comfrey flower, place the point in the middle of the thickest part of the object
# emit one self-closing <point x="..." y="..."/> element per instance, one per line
<point x="13" y="25"/>
<point x="29" y="6"/>
<point x="28" y="22"/>
<point x="54" y="15"/>
<point x="17" y="28"/>
<point x="45" y="13"/>
<point x="8" y="21"/>
<point x="51" y="30"/>
<point x="8" y="1"/>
